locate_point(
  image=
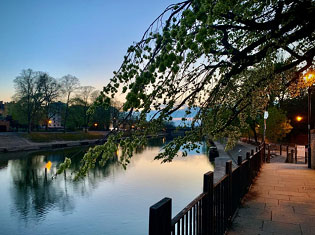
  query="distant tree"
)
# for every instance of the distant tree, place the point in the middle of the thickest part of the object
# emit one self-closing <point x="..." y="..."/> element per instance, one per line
<point x="51" y="90"/>
<point x="69" y="84"/>
<point x="94" y="95"/>
<point x="18" y="114"/>
<point x="29" y="92"/>
<point x="85" y="95"/>
<point x="102" y="117"/>
<point x="76" y="114"/>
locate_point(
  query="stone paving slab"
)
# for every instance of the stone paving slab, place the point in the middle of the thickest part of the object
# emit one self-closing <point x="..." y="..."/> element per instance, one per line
<point x="280" y="201"/>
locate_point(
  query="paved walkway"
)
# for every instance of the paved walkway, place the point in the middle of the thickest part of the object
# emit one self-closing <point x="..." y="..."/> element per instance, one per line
<point x="280" y="201"/>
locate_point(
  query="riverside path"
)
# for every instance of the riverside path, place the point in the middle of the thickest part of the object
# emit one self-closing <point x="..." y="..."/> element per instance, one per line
<point x="280" y="201"/>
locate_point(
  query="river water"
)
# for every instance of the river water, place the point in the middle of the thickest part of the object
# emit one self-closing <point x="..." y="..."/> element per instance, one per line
<point x="110" y="200"/>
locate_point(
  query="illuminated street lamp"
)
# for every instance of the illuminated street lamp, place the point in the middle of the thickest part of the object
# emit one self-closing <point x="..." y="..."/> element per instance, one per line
<point x="95" y="124"/>
<point x="309" y="77"/>
<point x="299" y="118"/>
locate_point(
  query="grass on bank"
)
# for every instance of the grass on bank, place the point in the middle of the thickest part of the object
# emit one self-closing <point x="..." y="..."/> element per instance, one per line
<point x="48" y="137"/>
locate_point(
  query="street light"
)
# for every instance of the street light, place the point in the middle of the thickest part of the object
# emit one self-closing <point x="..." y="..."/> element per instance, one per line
<point x="299" y="118"/>
<point x="309" y="77"/>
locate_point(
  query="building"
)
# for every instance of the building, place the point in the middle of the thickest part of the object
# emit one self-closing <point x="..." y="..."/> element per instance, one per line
<point x="1" y="108"/>
<point x="55" y="115"/>
<point x="4" y="124"/>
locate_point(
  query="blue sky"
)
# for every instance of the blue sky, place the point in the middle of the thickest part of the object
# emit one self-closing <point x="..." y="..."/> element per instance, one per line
<point x="85" y="38"/>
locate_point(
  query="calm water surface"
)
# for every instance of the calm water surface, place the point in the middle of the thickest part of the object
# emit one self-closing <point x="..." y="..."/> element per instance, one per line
<point x="110" y="200"/>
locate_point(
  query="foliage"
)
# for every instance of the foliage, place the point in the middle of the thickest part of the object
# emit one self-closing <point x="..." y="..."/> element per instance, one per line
<point x="15" y="110"/>
<point x="35" y="90"/>
<point x="220" y="56"/>
<point x="278" y="125"/>
<point x="69" y="84"/>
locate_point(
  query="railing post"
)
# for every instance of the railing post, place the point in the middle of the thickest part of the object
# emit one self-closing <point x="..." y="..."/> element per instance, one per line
<point x="249" y="170"/>
<point x="280" y="149"/>
<point x="295" y="153"/>
<point x="240" y="183"/>
<point x="268" y="156"/>
<point x="160" y="217"/>
<point x="239" y="160"/>
<point x="262" y="149"/>
<point x="228" y="171"/>
<point x="207" y="205"/>
<point x="306" y="156"/>
<point x="252" y="152"/>
<point x="292" y="156"/>
<point x="247" y="155"/>
<point x="264" y="153"/>
<point x="288" y="152"/>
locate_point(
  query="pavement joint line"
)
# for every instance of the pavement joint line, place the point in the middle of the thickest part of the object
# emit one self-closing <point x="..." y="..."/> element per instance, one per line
<point x="297" y="185"/>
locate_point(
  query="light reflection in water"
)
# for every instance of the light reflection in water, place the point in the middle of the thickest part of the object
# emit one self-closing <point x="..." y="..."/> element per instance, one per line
<point x="109" y="200"/>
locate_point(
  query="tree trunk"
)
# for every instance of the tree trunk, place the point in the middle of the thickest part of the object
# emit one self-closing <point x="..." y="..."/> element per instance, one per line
<point x="254" y="131"/>
<point x="66" y="114"/>
<point x="66" y="117"/>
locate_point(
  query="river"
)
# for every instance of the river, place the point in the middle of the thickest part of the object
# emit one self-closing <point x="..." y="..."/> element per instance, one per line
<point x="110" y="200"/>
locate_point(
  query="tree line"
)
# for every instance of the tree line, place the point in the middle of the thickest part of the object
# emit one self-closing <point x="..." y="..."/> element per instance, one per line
<point x="39" y="97"/>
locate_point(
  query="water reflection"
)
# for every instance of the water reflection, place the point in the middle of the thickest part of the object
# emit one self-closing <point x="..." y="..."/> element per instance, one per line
<point x="109" y="200"/>
<point x="35" y="193"/>
<point x="3" y="164"/>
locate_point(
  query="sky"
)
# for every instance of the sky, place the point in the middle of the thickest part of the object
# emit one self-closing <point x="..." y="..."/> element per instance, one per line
<point x="84" y="38"/>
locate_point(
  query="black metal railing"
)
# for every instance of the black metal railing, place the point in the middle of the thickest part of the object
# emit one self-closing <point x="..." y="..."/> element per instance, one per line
<point x="211" y="212"/>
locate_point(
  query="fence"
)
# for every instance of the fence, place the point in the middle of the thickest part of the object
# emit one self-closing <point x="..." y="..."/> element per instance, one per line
<point x="212" y="210"/>
<point x="289" y="151"/>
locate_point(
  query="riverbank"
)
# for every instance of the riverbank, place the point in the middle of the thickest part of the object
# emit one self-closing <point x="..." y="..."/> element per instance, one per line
<point x="13" y="142"/>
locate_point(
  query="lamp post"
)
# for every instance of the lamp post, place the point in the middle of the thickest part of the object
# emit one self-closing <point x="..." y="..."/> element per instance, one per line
<point x="309" y="111"/>
<point x="309" y="77"/>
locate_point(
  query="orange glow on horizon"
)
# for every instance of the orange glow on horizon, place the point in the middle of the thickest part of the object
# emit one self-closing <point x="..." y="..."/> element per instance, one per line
<point x="48" y="165"/>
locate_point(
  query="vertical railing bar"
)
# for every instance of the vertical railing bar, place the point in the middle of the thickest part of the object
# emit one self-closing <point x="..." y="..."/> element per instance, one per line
<point x="186" y="224"/>
<point x="190" y="221"/>
<point x="199" y="217"/>
<point x="195" y="218"/>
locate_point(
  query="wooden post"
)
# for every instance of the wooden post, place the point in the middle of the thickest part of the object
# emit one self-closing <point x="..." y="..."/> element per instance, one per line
<point x="280" y="149"/>
<point x="33" y="175"/>
<point x="292" y="156"/>
<point x="247" y="156"/>
<point x="268" y="156"/>
<point x="252" y="152"/>
<point x="288" y="152"/>
<point x="295" y="153"/>
<point x="264" y="153"/>
<point x="249" y="168"/>
<point x="45" y="174"/>
<point x="239" y="160"/>
<point x="160" y="217"/>
<point x="228" y="171"/>
<point x="207" y="205"/>
<point x="256" y="149"/>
